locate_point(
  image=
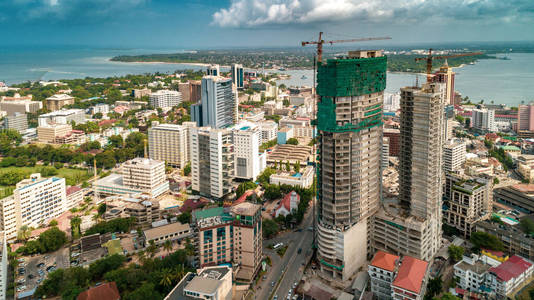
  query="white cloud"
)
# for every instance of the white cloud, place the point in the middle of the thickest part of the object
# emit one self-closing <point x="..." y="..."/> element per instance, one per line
<point x="256" y="13"/>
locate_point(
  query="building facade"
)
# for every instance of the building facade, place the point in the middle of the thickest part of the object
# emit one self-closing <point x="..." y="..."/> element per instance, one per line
<point x="454" y="156"/>
<point x="237" y="75"/>
<point x="212" y="161"/>
<point x="483" y="120"/>
<point x="169" y="143"/>
<point x="165" y="99"/>
<point x="146" y="175"/>
<point x="66" y="116"/>
<point x="56" y="102"/>
<point x="349" y="121"/>
<point x="16" y="121"/>
<point x="249" y="162"/>
<point x="218" y="106"/>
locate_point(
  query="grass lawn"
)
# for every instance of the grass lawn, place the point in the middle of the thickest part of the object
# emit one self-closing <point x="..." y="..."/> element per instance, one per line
<point x="72" y="176"/>
<point x="525" y="292"/>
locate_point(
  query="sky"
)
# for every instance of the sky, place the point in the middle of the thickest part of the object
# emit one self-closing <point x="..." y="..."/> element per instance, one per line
<point x="197" y="24"/>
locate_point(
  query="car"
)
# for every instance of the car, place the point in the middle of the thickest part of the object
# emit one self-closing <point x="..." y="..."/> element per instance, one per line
<point x="299" y="251"/>
<point x="278" y="246"/>
<point x="275" y="297"/>
<point x="21" y="281"/>
<point x="31" y="276"/>
<point x="295" y="284"/>
<point x="50" y="269"/>
<point x="264" y="277"/>
<point x="288" y="297"/>
<point x="20" y="259"/>
<point x="295" y="297"/>
<point x="39" y="280"/>
<point x="40" y="265"/>
<point x="272" y="283"/>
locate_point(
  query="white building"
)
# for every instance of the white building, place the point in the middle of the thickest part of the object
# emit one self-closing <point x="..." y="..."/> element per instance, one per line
<point x="288" y="205"/>
<point x="165" y="99"/>
<point x="213" y="70"/>
<point x="382" y="273"/>
<point x="385" y="153"/>
<point x="212" y="161"/>
<point x="391" y="102"/>
<point x="169" y="143"/>
<point x="472" y="272"/>
<point x="269" y="131"/>
<point x="102" y="108"/>
<point x="237" y="75"/>
<point x="65" y="116"/>
<point x="35" y="201"/>
<point x="146" y="175"/>
<point x="303" y="179"/>
<point x="3" y="266"/>
<point x="483" y="119"/>
<point x="454" y="156"/>
<point x="218" y="105"/>
<point x="249" y="162"/>
<point x="208" y="283"/>
<point x="510" y="276"/>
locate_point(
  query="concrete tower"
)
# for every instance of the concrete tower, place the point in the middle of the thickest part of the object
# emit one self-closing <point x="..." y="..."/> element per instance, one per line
<point x="413" y="225"/>
<point x="349" y="120"/>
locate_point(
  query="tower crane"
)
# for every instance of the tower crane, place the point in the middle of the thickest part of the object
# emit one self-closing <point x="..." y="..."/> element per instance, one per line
<point x="429" y="59"/>
<point x="320" y="43"/>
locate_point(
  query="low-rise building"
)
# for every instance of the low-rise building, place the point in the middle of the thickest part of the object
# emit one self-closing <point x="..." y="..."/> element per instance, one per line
<point x="304" y="178"/>
<point x="144" y="209"/>
<point x="139" y="93"/>
<point x="49" y="134"/>
<point x="510" y="276"/>
<point x="471" y="273"/>
<point x="56" y="102"/>
<point x="74" y="196"/>
<point x="411" y="278"/>
<point x="514" y="240"/>
<point x="269" y="131"/>
<point x="288" y="205"/>
<point x="382" y="273"/>
<point x="525" y="166"/>
<point x="16" y="121"/>
<point x="170" y="232"/>
<point x="208" y="283"/>
<point x="105" y="291"/>
<point x="290" y="153"/>
<point x="65" y="116"/>
<point x="518" y="196"/>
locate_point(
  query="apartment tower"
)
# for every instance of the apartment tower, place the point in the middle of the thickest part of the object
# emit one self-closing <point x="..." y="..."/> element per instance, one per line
<point x="218" y="106"/>
<point x="349" y="121"/>
<point x="413" y="225"/>
<point x="237" y="76"/>
<point x="169" y="143"/>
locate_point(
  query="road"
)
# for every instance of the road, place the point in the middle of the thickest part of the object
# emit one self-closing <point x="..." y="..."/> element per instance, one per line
<point x="292" y="262"/>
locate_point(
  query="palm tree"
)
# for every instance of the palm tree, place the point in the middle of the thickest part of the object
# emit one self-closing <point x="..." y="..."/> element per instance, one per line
<point x="24" y="233"/>
<point x="151" y="249"/>
<point x="142" y="255"/>
<point x="179" y="272"/>
<point x="167" y="246"/>
<point x="75" y="226"/>
<point x="167" y="278"/>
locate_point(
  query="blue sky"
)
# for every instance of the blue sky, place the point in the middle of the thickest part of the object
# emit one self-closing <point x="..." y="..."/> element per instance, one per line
<point x="254" y="23"/>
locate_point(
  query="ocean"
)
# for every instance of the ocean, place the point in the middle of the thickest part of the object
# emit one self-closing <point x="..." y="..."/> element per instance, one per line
<point x="501" y="81"/>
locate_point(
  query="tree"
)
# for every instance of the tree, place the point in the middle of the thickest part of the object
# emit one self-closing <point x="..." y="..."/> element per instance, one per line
<point x="296" y="166"/>
<point x="167" y="277"/>
<point x="52" y="239"/>
<point x="145" y="291"/>
<point x="104" y="265"/>
<point x="527" y="226"/>
<point x="116" y="141"/>
<point x="187" y="169"/>
<point x="52" y="223"/>
<point x="288" y="166"/>
<point x="184" y="218"/>
<point x="456" y="252"/>
<point x="433" y="287"/>
<point x="292" y="141"/>
<point x="243" y="187"/>
<point x="167" y="246"/>
<point x="102" y="207"/>
<point x="152" y="248"/>
<point x="270" y="228"/>
<point x="24" y="233"/>
<point x="447" y="296"/>
<point x="484" y="240"/>
<point x="75" y="223"/>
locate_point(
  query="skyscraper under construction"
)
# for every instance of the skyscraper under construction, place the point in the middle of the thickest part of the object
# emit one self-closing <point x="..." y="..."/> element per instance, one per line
<point x="349" y="121"/>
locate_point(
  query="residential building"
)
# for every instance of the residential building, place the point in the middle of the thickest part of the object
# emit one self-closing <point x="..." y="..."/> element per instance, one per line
<point x="196" y="90"/>
<point x="213" y="70"/>
<point x="411" y="278"/>
<point x="35" y="201"/>
<point x="63" y="117"/>
<point x="382" y="271"/>
<point x="212" y="161"/>
<point x="467" y="201"/>
<point x="102" y="108"/>
<point x="454" y="156"/>
<point x="514" y="240"/>
<point x="237" y="75"/>
<point x="56" y="102"/>
<point x="20" y="106"/>
<point x="249" y="162"/>
<point x="288" y="205"/>
<point x="471" y="273"/>
<point x="525" y="120"/>
<point x="483" y="120"/>
<point x="413" y="227"/>
<point x="303" y="179"/>
<point x="394" y="140"/>
<point x="169" y="143"/>
<point x="349" y="121"/>
<point x="3" y="266"/>
<point x="74" y="196"/>
<point x="144" y="209"/>
<point x="284" y="134"/>
<point x="165" y="99"/>
<point x="218" y="106"/>
<point x="510" y="276"/>
<point x="518" y="196"/>
<point x="170" y="232"/>
<point x="16" y="121"/>
<point x="525" y="166"/>
<point x="208" y="283"/>
<point x="269" y="131"/>
<point x="146" y="175"/>
<point x="140" y="93"/>
<point x="113" y="185"/>
<point x="49" y="133"/>
<point x="230" y="235"/>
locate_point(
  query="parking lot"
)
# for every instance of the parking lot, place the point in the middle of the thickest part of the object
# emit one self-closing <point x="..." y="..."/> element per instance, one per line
<point x="32" y="271"/>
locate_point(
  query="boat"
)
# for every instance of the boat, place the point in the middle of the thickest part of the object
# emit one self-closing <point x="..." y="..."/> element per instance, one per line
<point x="281" y="69"/>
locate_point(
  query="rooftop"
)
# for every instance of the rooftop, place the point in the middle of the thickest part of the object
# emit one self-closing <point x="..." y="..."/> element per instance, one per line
<point x="154" y="233"/>
<point x="385" y="261"/>
<point x="511" y="268"/>
<point x="106" y="291"/>
<point x="411" y="274"/>
<point x="245" y="209"/>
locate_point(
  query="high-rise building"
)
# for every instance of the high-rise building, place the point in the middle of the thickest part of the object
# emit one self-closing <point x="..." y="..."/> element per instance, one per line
<point x="3" y="266"/>
<point x="218" y="106"/>
<point x="213" y="70"/>
<point x="349" y="121"/>
<point x="56" y="102"/>
<point x="146" y="175"/>
<point x="525" y="119"/>
<point x="249" y="162"/>
<point x="169" y="143"/>
<point x="212" y="161"/>
<point x="35" y="201"/>
<point x="413" y="226"/>
<point x="467" y="201"/>
<point x="269" y="130"/>
<point x="483" y="119"/>
<point x="237" y="76"/>
<point x="16" y="121"/>
<point x="454" y="156"/>
<point x="446" y="75"/>
<point x="384" y="160"/>
<point x="165" y="99"/>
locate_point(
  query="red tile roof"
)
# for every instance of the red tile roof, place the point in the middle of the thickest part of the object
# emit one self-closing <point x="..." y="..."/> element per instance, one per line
<point x="511" y="268"/>
<point x="411" y="274"/>
<point x="106" y="291"/>
<point x="243" y="197"/>
<point x="385" y="261"/>
<point x="72" y="189"/>
<point x="286" y="202"/>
